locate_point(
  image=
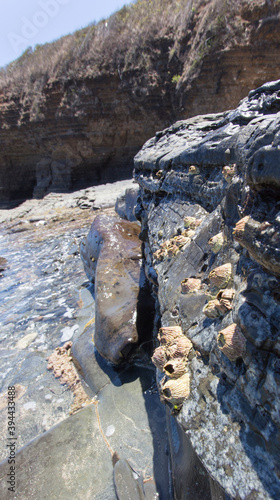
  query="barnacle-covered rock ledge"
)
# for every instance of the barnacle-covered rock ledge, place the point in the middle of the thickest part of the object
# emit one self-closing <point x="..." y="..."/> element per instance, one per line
<point x="209" y="207"/>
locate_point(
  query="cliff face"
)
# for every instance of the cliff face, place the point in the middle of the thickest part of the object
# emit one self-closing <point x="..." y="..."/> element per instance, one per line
<point x="78" y="143"/>
<point x="74" y="113"/>
<point x="209" y="208"/>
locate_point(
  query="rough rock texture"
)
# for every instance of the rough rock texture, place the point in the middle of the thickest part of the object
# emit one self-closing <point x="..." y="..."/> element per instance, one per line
<point x="232" y="414"/>
<point x="73" y="149"/>
<point x="84" y="126"/>
<point x="112" y="257"/>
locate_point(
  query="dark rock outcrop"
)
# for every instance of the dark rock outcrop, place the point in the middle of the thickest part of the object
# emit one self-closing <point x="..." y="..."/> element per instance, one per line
<point x="218" y="175"/>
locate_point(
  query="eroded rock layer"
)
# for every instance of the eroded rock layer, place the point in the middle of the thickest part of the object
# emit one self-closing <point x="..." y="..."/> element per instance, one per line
<point x="73" y="119"/>
<point x="209" y="207"/>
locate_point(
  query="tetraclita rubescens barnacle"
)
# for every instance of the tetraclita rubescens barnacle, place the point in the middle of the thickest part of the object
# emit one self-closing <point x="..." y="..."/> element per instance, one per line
<point x="229" y="172"/>
<point x="232" y="342"/>
<point x="178" y="348"/>
<point x="193" y="170"/>
<point x="192" y="222"/>
<point x="168" y="333"/>
<point x="220" y="276"/>
<point x="175" y="368"/>
<point x="216" y="242"/>
<point x="174" y="350"/>
<point x="189" y="285"/>
<point x="159" y="357"/>
<point x="175" y="391"/>
<point x="238" y="231"/>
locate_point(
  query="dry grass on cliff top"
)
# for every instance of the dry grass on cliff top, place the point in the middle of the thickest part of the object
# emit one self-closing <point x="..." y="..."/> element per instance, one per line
<point x="133" y="40"/>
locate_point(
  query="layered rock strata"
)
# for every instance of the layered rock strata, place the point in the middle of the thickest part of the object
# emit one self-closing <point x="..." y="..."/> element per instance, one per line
<point x="218" y="279"/>
<point x="73" y="119"/>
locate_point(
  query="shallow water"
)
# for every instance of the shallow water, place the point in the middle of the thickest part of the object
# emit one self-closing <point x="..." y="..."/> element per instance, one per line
<point x="45" y="300"/>
<point x="40" y="299"/>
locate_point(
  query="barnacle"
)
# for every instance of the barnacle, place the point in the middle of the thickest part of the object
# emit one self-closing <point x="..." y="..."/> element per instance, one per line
<point x="172" y="251"/>
<point x="216" y="242"/>
<point x="158" y="255"/>
<point x="239" y="229"/>
<point x="190" y="285"/>
<point x="168" y="333"/>
<point x="193" y="170"/>
<point x="227" y="294"/>
<point x="210" y="310"/>
<point x="192" y="222"/>
<point x="220" y="276"/>
<point x="180" y="240"/>
<point x="159" y="357"/>
<point x="175" y="368"/>
<point x="175" y="391"/>
<point x="179" y="348"/>
<point x="232" y="342"/>
<point x="229" y="172"/>
<point x="223" y="306"/>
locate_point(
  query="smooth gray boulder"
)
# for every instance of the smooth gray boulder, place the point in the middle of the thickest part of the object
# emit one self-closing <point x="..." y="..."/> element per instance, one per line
<point x="124" y="307"/>
<point x="126" y="203"/>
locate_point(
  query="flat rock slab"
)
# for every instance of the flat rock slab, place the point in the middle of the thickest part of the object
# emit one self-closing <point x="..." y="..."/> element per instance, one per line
<point x="72" y="460"/>
<point x="63" y="463"/>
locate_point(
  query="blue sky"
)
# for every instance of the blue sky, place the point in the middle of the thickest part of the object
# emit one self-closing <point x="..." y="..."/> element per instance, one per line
<point x="25" y="23"/>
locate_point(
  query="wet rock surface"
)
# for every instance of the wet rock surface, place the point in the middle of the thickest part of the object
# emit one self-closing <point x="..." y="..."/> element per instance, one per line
<point x="47" y="303"/>
<point x="223" y="171"/>
<point x="112" y="257"/>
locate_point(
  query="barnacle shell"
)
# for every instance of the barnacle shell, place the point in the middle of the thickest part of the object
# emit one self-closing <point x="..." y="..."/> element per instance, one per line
<point x="159" y="174"/>
<point x="210" y="310"/>
<point x="158" y="255"/>
<point x="224" y="305"/>
<point x="193" y="170"/>
<point x="180" y="240"/>
<point x="238" y="231"/>
<point x="190" y="285"/>
<point x="220" y="276"/>
<point x="229" y="172"/>
<point x="172" y="250"/>
<point x="165" y="244"/>
<point x="179" y="348"/>
<point x="175" y="391"/>
<point x="192" y="222"/>
<point x="232" y="342"/>
<point x="159" y="357"/>
<point x="190" y="233"/>
<point x="216" y="242"/>
<point x="175" y="368"/>
<point x="226" y="294"/>
<point x="169" y="333"/>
